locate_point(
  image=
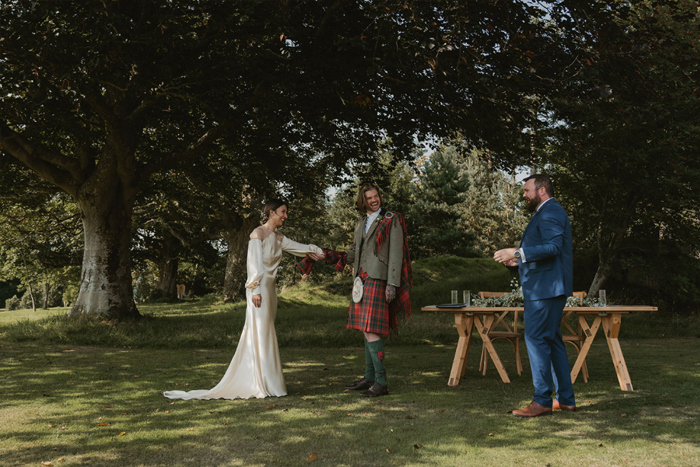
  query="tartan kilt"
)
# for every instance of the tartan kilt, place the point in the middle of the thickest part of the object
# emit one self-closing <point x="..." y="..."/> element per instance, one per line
<point x="372" y="313"/>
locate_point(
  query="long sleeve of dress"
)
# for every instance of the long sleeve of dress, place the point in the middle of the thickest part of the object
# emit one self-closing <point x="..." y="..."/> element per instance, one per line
<point x="299" y="249"/>
<point x="255" y="266"/>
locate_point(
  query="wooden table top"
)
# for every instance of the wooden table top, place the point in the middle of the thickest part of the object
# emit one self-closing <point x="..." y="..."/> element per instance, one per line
<point x="585" y="309"/>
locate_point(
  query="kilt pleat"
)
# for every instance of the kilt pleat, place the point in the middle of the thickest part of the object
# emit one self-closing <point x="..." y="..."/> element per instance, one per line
<point x="372" y="313"/>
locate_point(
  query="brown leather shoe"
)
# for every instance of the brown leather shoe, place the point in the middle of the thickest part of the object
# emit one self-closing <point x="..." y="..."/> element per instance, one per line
<point x="376" y="390"/>
<point x="557" y="406"/>
<point x="360" y="385"/>
<point x="533" y="410"/>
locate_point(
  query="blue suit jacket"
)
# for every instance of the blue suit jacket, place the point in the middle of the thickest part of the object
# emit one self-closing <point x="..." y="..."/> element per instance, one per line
<point x="548" y="271"/>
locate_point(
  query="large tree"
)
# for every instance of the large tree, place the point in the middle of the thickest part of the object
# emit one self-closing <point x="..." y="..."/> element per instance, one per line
<point x="624" y="141"/>
<point x="100" y="96"/>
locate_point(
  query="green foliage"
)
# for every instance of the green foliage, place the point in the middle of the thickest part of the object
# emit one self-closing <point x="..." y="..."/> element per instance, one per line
<point x="623" y="138"/>
<point x="169" y="99"/>
<point x="441" y="189"/>
<point x="12" y="303"/>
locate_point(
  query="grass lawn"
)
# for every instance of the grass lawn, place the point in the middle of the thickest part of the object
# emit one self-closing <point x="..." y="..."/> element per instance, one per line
<point x="89" y="393"/>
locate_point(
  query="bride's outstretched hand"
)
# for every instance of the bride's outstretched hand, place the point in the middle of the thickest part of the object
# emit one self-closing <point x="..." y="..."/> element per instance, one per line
<point x="315" y="256"/>
<point x="257" y="300"/>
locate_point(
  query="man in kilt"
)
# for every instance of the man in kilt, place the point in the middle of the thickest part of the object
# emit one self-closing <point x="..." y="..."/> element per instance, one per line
<point x="380" y="257"/>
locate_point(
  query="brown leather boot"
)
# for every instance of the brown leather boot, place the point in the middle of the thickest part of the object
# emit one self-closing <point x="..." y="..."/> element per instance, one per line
<point x="376" y="390"/>
<point x="557" y="406"/>
<point x="533" y="410"/>
<point x="360" y="385"/>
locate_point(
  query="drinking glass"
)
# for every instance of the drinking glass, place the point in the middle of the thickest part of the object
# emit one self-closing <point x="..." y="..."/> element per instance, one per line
<point x="454" y="297"/>
<point x="467" y="297"/>
<point x="602" y="298"/>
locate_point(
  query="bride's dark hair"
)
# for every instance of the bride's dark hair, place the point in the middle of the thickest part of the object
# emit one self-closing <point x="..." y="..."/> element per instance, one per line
<point x="272" y="205"/>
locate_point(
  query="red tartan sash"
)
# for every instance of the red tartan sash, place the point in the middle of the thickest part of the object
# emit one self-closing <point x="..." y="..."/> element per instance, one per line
<point x="400" y="307"/>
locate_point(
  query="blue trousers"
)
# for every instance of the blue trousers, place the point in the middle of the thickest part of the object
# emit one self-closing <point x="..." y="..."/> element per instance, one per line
<point x="545" y="349"/>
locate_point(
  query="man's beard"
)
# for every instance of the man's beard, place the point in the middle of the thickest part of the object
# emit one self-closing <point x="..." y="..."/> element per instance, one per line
<point x="533" y="203"/>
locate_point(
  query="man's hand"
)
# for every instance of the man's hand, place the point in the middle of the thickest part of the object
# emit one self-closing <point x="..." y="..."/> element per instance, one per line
<point x="257" y="300"/>
<point x="506" y="256"/>
<point x="390" y="292"/>
<point x="315" y="256"/>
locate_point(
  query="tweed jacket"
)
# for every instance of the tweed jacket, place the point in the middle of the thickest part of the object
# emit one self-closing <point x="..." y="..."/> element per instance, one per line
<point x="386" y="264"/>
<point x="548" y="268"/>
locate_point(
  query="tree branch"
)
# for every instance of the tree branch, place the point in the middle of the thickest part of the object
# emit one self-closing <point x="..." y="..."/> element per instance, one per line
<point x="194" y="150"/>
<point x="55" y="168"/>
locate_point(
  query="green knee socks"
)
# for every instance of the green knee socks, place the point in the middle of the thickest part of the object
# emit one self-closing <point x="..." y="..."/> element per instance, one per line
<point x="369" y="365"/>
<point x="376" y="351"/>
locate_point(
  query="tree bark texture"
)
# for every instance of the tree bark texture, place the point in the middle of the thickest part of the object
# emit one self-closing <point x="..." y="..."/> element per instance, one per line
<point x="106" y="284"/>
<point x="168" y="267"/>
<point x="31" y="295"/>
<point x="47" y="290"/>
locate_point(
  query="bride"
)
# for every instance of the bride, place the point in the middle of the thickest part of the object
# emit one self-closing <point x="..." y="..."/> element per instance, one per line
<point x="256" y="370"/>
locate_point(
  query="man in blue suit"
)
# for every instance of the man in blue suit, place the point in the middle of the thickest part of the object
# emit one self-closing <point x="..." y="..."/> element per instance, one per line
<point x="545" y="262"/>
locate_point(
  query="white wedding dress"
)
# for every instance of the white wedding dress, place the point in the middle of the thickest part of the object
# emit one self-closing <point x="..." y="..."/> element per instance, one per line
<point x="256" y="370"/>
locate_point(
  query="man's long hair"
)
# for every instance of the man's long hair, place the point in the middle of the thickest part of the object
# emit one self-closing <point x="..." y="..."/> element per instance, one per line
<point x="361" y="201"/>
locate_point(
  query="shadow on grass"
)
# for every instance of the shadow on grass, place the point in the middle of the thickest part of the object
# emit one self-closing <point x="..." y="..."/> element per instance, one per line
<point x="421" y="422"/>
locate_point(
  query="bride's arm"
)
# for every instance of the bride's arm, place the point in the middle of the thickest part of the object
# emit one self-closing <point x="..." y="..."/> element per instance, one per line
<point x="299" y="249"/>
<point x="254" y="264"/>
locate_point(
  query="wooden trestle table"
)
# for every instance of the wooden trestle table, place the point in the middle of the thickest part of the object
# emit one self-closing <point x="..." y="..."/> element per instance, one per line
<point x="482" y="318"/>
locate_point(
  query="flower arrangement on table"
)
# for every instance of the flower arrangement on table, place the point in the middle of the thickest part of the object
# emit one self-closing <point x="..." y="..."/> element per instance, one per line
<point x="515" y="298"/>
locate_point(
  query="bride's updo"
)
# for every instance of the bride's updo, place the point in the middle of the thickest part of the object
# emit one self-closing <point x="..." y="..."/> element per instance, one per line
<point x="271" y="205"/>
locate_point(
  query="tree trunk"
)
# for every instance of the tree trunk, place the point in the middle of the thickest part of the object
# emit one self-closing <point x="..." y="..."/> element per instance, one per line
<point x="106" y="285"/>
<point x="168" y="267"/>
<point x="168" y="276"/>
<point x="31" y="295"/>
<point x="47" y="290"/>
<point x="237" y="240"/>
<point x="598" y="282"/>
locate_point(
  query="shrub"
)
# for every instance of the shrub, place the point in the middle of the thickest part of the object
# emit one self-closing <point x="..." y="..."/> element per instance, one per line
<point x="12" y="303"/>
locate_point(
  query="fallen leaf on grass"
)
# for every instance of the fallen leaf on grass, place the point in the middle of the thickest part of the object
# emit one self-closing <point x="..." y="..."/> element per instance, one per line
<point x="650" y="424"/>
<point x="121" y="434"/>
<point x="137" y="376"/>
<point x="312" y="457"/>
<point x="417" y="446"/>
<point x="106" y="406"/>
<point x="600" y="445"/>
<point x="623" y="415"/>
<point x="46" y="463"/>
<point x="167" y="411"/>
<point x="61" y="459"/>
<point x="490" y="434"/>
<point x="269" y="406"/>
<point x="409" y="417"/>
<point x="103" y="424"/>
<point x="52" y="426"/>
<point x="63" y="428"/>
